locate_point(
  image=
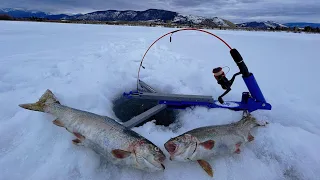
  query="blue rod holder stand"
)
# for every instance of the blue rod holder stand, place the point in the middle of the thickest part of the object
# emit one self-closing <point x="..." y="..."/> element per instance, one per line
<point x="251" y="104"/>
<point x="254" y="88"/>
<point x="255" y="100"/>
<point x="250" y="101"/>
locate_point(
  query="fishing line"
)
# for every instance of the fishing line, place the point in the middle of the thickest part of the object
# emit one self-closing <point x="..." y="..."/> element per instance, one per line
<point x="171" y="33"/>
<point x="228" y="68"/>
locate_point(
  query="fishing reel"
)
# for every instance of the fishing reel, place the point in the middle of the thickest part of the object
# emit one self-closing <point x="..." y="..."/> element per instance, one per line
<point x="221" y="78"/>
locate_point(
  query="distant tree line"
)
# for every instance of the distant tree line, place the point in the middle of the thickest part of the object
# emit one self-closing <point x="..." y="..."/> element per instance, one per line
<point x="8" y="17"/>
<point x="308" y="29"/>
<point x="5" y="17"/>
<point x="311" y="29"/>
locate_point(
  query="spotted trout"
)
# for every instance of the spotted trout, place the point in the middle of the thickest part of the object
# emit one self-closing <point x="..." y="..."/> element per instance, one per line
<point x="108" y="138"/>
<point x="209" y="141"/>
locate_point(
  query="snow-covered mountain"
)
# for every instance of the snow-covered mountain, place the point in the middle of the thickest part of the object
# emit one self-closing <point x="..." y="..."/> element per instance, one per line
<point x="152" y="15"/>
<point x="261" y="25"/>
<point x="129" y="15"/>
<point x="156" y="15"/>
<point x="303" y="24"/>
<point x="182" y="18"/>
<point x="22" y="13"/>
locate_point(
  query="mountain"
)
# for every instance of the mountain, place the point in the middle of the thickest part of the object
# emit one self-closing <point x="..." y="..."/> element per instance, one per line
<point x="303" y="24"/>
<point x="191" y="19"/>
<point x="261" y="25"/>
<point x="153" y="15"/>
<point x="21" y="13"/>
<point x="129" y="15"/>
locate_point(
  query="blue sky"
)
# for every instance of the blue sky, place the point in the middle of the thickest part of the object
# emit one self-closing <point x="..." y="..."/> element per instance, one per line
<point x="234" y="10"/>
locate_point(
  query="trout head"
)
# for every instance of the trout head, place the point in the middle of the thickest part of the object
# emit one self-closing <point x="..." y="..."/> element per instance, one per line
<point x="248" y="122"/>
<point x="148" y="156"/>
<point x="181" y="148"/>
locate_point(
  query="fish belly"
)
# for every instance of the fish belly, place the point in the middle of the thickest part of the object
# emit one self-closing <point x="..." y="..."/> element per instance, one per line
<point x="223" y="145"/>
<point x="101" y="134"/>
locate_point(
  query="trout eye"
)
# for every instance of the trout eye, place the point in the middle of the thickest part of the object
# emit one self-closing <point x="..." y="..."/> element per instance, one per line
<point x="156" y="149"/>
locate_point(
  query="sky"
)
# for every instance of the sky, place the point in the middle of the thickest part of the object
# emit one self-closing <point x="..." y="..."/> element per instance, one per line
<point x="234" y="10"/>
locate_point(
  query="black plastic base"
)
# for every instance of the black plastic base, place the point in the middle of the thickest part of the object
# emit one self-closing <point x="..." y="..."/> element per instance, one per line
<point x="125" y="109"/>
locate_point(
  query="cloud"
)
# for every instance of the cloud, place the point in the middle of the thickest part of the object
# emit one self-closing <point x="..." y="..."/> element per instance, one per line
<point x="234" y="10"/>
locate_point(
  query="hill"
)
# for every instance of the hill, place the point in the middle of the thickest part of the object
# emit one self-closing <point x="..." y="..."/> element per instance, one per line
<point x="150" y="15"/>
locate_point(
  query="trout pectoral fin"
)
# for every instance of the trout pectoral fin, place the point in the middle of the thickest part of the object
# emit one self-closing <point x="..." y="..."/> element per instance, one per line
<point x="79" y="136"/>
<point x="250" y="137"/>
<point x="58" y="123"/>
<point x="118" y="153"/>
<point x="206" y="167"/>
<point x="77" y="142"/>
<point x="208" y="144"/>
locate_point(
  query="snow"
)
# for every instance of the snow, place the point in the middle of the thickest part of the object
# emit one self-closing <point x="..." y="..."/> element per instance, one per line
<point x="220" y="22"/>
<point x="273" y="24"/>
<point x="199" y="19"/>
<point x="129" y="13"/>
<point x="194" y="19"/>
<point x="269" y="24"/>
<point x="11" y="9"/>
<point x="87" y="66"/>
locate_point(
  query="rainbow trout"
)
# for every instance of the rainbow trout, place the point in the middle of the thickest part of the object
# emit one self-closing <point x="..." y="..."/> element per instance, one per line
<point x="206" y="142"/>
<point x="108" y="138"/>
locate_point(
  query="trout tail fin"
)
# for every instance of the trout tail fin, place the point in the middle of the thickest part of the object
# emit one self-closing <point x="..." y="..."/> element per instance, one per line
<point x="47" y="98"/>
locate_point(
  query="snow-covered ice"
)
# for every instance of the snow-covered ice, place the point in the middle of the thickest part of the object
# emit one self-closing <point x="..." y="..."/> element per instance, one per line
<point x="87" y="66"/>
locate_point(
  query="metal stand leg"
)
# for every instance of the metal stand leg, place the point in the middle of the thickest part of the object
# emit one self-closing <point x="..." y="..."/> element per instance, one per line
<point x="147" y="114"/>
<point x="142" y="117"/>
<point x="146" y="87"/>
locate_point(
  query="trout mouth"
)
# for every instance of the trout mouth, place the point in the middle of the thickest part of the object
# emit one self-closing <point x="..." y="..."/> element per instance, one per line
<point x="171" y="147"/>
<point x="161" y="159"/>
<point x="153" y="164"/>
